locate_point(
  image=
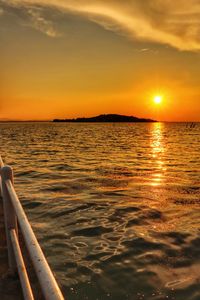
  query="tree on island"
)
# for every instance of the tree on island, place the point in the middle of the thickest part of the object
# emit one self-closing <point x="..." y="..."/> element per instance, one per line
<point x="106" y="118"/>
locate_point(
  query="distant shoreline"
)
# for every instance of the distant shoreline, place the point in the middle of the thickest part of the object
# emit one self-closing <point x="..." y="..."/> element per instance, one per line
<point x="52" y="121"/>
<point x="99" y="119"/>
<point x="108" y="118"/>
<point x="25" y="121"/>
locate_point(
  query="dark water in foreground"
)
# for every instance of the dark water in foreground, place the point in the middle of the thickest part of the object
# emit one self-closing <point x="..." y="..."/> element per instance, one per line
<point x="116" y="207"/>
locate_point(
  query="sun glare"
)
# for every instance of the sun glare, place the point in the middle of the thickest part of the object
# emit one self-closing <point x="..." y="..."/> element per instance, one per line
<point x="158" y="99"/>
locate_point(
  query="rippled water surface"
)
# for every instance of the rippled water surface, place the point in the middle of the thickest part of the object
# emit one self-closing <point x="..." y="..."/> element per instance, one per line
<point x="116" y="207"/>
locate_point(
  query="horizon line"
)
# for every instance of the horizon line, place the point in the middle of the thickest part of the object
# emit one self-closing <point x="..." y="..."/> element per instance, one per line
<point x="51" y="121"/>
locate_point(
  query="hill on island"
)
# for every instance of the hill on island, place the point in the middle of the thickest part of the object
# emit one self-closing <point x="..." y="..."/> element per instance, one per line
<point x="109" y="118"/>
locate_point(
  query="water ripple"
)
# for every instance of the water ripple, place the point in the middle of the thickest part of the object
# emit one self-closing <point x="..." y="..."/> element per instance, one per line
<point x="115" y="206"/>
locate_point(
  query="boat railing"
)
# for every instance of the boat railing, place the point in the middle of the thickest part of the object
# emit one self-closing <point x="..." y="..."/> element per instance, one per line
<point x="1" y="163"/>
<point x="15" y="216"/>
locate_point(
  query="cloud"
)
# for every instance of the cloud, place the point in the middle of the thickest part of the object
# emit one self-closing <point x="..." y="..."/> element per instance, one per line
<point x="169" y="22"/>
<point x="39" y="22"/>
<point x="35" y="16"/>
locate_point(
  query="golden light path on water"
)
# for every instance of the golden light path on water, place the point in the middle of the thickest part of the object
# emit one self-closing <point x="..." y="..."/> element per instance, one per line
<point x="157" y="153"/>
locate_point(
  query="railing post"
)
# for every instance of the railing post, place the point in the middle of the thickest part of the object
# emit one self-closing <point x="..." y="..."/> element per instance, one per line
<point x="1" y="166"/>
<point x="1" y="194"/>
<point x="9" y="216"/>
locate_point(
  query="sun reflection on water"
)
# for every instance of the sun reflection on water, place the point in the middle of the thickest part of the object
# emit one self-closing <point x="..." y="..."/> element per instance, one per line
<point x="157" y="145"/>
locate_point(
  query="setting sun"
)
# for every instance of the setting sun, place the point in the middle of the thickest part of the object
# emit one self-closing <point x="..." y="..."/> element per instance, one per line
<point x="158" y="99"/>
<point x="99" y="130"/>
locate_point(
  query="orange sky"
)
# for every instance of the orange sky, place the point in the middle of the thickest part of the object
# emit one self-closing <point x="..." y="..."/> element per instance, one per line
<point x="71" y="60"/>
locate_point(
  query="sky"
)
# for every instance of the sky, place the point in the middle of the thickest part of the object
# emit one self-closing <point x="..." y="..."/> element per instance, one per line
<point x="74" y="58"/>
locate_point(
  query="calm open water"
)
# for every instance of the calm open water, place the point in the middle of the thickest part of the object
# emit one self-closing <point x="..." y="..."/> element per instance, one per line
<point x="116" y="207"/>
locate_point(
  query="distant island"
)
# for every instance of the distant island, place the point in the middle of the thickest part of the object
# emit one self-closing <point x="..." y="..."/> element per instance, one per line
<point x="107" y="118"/>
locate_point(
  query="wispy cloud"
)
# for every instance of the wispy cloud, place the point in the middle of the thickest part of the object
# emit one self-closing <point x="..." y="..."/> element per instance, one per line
<point x="169" y="22"/>
<point x="31" y="14"/>
<point x="39" y="22"/>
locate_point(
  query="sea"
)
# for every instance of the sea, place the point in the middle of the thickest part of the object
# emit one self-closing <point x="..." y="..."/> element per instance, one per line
<point x="115" y="207"/>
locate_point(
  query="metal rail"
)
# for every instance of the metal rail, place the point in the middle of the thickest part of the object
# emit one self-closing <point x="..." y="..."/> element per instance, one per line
<point x="1" y="166"/>
<point x="1" y="163"/>
<point x="26" y="288"/>
<point x="14" y="214"/>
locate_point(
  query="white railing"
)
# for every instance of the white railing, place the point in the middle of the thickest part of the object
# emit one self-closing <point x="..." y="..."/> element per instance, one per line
<point x="1" y="163"/>
<point x="14" y="215"/>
